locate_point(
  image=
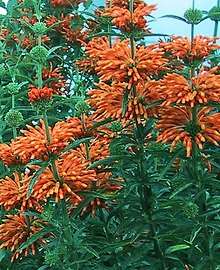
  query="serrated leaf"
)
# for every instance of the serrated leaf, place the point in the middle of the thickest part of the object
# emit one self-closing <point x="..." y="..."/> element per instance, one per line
<point x="176" y="248"/>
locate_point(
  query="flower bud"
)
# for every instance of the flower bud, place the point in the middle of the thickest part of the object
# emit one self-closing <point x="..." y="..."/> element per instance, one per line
<point x="193" y="16"/>
<point x="116" y="126"/>
<point x="191" y="210"/>
<point x="14" y="118"/>
<point x="39" y="53"/>
<point x="39" y="28"/>
<point x="13" y="88"/>
<point x="214" y="14"/>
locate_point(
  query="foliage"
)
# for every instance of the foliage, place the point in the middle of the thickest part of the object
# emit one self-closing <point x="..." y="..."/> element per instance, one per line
<point x="109" y="146"/>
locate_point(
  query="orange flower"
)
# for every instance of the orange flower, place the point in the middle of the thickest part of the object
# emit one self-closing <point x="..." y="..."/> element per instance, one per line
<point x="34" y="145"/>
<point x="108" y="100"/>
<point x="126" y="20"/>
<point x="6" y="155"/>
<point x="65" y="3"/>
<point x="181" y="47"/>
<point x="65" y="28"/>
<point x="38" y="94"/>
<point x="14" y="193"/>
<point x="174" y="88"/>
<point x="116" y="63"/>
<point x="94" y="48"/>
<point x="73" y="177"/>
<point x="122" y="3"/>
<point x="16" y="230"/>
<point x="176" y="125"/>
<point x="53" y="79"/>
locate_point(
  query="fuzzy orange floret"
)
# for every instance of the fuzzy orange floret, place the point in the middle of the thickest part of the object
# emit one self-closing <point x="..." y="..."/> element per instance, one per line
<point x="175" y="125"/>
<point x="126" y="20"/>
<point x="17" y="229"/>
<point x="175" y="88"/>
<point x="38" y="94"/>
<point x="13" y="192"/>
<point x="117" y="63"/>
<point x="182" y="47"/>
<point x="6" y="155"/>
<point x="34" y="142"/>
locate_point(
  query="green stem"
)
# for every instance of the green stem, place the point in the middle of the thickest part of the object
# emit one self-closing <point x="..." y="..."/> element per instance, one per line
<point x="216" y="29"/>
<point x="47" y="129"/>
<point x="110" y="28"/>
<point x="53" y="165"/>
<point x="157" y="246"/>
<point x="192" y="34"/>
<point x="39" y="76"/>
<point x="193" y="4"/>
<point x="14" y="130"/>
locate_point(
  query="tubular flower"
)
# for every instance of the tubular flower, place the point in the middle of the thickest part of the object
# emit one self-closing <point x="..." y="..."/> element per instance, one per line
<point x="97" y="150"/>
<point x="73" y="177"/>
<point x="116" y="63"/>
<point x="174" y="88"/>
<point x="125" y="19"/>
<point x="122" y="3"/>
<point x="70" y="34"/>
<point x="14" y="193"/>
<point x="108" y="100"/>
<point x="93" y="49"/>
<point x="16" y="230"/>
<point x="34" y="144"/>
<point x="6" y="155"/>
<point x="38" y="94"/>
<point x="176" y="125"/>
<point x="65" y="3"/>
<point x="182" y="48"/>
<point x="54" y="79"/>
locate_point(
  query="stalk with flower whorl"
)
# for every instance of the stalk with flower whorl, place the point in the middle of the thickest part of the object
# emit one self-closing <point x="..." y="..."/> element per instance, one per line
<point x="176" y="125"/>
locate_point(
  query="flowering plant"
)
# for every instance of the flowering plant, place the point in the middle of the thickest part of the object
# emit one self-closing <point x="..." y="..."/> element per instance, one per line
<point x="109" y="145"/>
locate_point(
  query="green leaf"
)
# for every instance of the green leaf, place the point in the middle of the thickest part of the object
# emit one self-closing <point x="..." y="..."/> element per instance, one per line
<point x="124" y="103"/>
<point x="180" y="190"/>
<point x="107" y="161"/>
<point x="35" y="178"/>
<point x="44" y="267"/>
<point x="176" y="248"/>
<point x="76" y="143"/>
<point x="34" y="238"/>
<point x="3" y="254"/>
<point x="2" y="4"/>
<point x="175" y="17"/>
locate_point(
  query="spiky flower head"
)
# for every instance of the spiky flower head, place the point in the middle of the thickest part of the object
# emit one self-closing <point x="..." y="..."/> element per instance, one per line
<point x="39" y="28"/>
<point x="193" y="16"/>
<point x="13" y="88"/>
<point x="14" y="118"/>
<point x="191" y="210"/>
<point x="214" y="14"/>
<point x="116" y="126"/>
<point x="39" y="53"/>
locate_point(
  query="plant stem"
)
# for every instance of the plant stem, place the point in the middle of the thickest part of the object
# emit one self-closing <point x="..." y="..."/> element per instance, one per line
<point x="53" y="164"/>
<point x="14" y="130"/>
